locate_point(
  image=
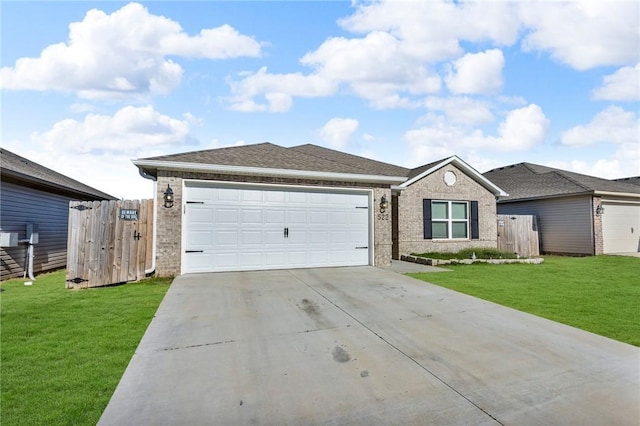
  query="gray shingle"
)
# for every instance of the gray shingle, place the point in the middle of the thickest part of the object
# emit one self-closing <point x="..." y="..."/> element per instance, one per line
<point x="372" y="166"/>
<point x="268" y="155"/>
<point x="13" y="165"/>
<point x="526" y="180"/>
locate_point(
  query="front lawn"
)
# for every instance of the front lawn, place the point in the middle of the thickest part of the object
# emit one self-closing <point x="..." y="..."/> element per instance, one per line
<point x="600" y="294"/>
<point x="64" y="351"/>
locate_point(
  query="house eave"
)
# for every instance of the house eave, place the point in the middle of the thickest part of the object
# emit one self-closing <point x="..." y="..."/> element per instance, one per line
<point x="574" y="194"/>
<point x="150" y="167"/>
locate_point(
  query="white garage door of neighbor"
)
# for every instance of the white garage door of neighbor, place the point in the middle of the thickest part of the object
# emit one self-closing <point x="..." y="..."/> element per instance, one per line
<point x="621" y="228"/>
<point x="240" y="229"/>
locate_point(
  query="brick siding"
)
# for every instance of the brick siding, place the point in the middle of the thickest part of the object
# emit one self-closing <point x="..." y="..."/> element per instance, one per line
<point x="169" y="225"/>
<point x="410" y="216"/>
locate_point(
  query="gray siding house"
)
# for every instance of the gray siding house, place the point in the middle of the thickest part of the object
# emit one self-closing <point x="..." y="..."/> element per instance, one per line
<point x="264" y="206"/>
<point x="31" y="193"/>
<point x="577" y="214"/>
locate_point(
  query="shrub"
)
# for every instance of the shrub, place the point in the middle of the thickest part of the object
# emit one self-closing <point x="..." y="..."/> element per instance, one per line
<point x="481" y="253"/>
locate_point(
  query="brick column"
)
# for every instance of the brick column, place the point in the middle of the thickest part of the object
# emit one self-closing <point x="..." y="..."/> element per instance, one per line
<point x="169" y="229"/>
<point x="598" y="242"/>
<point x="382" y="228"/>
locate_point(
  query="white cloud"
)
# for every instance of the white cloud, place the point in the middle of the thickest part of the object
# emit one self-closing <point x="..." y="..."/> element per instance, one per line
<point x="622" y="85"/>
<point x="98" y="150"/>
<point x="131" y="130"/>
<point x="337" y="131"/>
<point x="477" y="73"/>
<point x="522" y="129"/>
<point x="611" y="125"/>
<point x="583" y="34"/>
<point x="122" y="55"/>
<point x="277" y="90"/>
<point x="393" y="64"/>
<point x="623" y="162"/>
<point x="426" y="30"/>
<point x="461" y="110"/>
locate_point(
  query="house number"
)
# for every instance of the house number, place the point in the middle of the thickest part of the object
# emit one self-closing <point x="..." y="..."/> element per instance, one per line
<point x="383" y="216"/>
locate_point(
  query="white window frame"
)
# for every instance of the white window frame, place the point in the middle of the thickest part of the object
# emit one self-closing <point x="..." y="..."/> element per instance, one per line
<point x="450" y="221"/>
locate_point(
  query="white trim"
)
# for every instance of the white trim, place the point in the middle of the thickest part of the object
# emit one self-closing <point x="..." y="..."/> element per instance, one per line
<point x="616" y="194"/>
<point x="243" y="170"/>
<point x="303" y="188"/>
<point x="466" y="168"/>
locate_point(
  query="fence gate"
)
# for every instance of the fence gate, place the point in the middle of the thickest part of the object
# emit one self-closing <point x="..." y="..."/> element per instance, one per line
<point x="518" y="234"/>
<point x="109" y="242"/>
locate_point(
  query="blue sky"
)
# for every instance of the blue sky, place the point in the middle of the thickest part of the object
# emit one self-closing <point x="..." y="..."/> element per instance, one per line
<point x="88" y="86"/>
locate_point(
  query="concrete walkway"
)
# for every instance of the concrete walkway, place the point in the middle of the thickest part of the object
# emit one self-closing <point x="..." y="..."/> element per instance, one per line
<point x="364" y="346"/>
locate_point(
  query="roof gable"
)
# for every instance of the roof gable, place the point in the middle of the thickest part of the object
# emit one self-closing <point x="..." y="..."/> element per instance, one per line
<point x="425" y="170"/>
<point x="526" y="180"/>
<point x="27" y="171"/>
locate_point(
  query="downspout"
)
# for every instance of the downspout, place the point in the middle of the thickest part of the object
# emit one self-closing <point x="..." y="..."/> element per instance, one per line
<point x="30" y="261"/>
<point x="146" y="175"/>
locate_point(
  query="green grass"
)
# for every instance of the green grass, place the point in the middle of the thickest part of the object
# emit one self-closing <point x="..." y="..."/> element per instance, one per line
<point x="63" y="351"/>
<point x="599" y="294"/>
<point x="480" y="252"/>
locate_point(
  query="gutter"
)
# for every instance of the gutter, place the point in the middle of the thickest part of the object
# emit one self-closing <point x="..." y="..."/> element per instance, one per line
<point x="146" y="175"/>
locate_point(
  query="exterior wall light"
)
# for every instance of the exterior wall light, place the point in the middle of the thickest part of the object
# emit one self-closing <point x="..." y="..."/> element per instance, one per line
<point x="383" y="204"/>
<point x="599" y="210"/>
<point x="168" y="197"/>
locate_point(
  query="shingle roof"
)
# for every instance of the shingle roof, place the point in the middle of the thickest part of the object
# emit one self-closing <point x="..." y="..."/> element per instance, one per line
<point x="350" y="160"/>
<point x="25" y="170"/>
<point x="268" y="155"/>
<point x="526" y="180"/>
<point x="276" y="159"/>
<point x="420" y="169"/>
<point x="635" y="180"/>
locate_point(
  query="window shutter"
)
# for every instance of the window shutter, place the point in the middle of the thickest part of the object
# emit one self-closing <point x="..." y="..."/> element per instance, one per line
<point x="426" y="217"/>
<point x="475" y="229"/>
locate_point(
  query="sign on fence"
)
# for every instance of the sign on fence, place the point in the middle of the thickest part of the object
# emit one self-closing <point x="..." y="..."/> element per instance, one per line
<point x="109" y="242"/>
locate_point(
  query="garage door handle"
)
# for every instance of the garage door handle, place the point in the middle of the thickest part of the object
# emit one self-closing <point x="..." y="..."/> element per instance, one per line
<point x="194" y="251"/>
<point x="363" y="247"/>
<point x="286" y="232"/>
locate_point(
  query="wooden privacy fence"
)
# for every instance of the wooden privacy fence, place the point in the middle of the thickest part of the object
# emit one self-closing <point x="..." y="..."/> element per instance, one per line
<point x="518" y="234"/>
<point x="109" y="242"/>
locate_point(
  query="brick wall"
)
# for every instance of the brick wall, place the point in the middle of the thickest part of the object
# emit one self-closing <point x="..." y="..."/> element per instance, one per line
<point x="169" y="225"/>
<point x="598" y="240"/>
<point x="410" y="215"/>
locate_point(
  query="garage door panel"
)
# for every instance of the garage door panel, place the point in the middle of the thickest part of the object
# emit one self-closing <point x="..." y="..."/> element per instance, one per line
<point x="251" y="260"/>
<point x="621" y="228"/>
<point x="251" y="216"/>
<point x="200" y="238"/>
<point x="221" y="195"/>
<point x="226" y="216"/>
<point x="252" y="238"/>
<point x="244" y="229"/>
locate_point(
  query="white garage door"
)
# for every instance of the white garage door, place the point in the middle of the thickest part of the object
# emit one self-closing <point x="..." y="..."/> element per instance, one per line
<point x="621" y="228"/>
<point x="237" y="229"/>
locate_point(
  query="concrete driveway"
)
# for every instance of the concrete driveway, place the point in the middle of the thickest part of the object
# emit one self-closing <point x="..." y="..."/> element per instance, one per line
<point x="364" y="346"/>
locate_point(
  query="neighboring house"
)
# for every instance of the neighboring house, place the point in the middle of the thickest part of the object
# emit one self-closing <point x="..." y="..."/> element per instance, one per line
<point x="31" y="193"/>
<point x="635" y="180"/>
<point x="577" y="214"/>
<point x="268" y="207"/>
